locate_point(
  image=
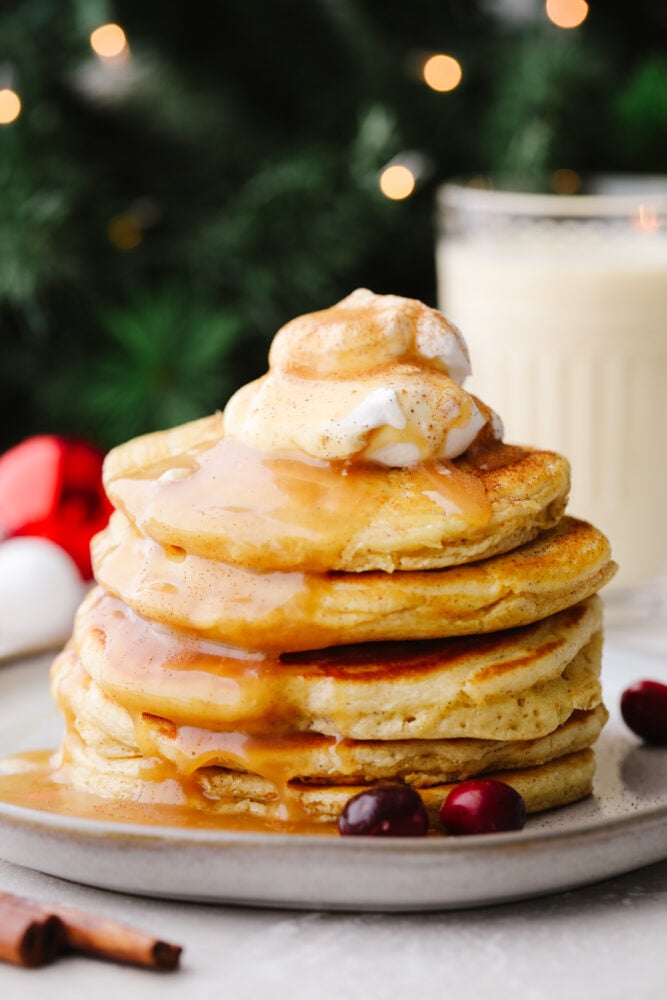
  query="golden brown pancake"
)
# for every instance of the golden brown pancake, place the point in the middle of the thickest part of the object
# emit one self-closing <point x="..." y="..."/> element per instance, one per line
<point x="314" y="759"/>
<point x="193" y="489"/>
<point x="546" y="786"/>
<point x="525" y="714"/>
<point x="226" y="792"/>
<point x="295" y="611"/>
<point x="109" y="731"/>
<point x="519" y="684"/>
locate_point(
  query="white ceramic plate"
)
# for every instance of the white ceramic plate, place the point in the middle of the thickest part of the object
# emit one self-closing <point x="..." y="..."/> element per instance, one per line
<point x="623" y="826"/>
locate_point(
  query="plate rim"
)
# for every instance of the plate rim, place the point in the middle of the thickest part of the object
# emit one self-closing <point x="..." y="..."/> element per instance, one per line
<point x="435" y="843"/>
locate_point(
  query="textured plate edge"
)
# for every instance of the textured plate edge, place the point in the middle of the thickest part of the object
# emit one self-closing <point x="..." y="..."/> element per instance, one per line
<point x="508" y="855"/>
<point x="133" y="832"/>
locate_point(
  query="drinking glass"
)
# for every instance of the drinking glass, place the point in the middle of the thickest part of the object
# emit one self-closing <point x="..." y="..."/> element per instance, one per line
<point x="563" y="302"/>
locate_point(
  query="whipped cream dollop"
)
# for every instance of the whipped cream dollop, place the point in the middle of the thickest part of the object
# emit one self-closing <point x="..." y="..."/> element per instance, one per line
<point x="378" y="377"/>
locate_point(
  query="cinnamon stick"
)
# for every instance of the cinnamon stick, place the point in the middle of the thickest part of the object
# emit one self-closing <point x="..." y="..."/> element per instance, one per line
<point x="34" y="933"/>
<point x="104" y="938"/>
<point x="28" y="935"/>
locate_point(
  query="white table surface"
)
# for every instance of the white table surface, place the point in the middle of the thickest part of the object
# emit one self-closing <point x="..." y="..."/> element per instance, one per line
<point x="605" y="942"/>
<point x="602" y="942"/>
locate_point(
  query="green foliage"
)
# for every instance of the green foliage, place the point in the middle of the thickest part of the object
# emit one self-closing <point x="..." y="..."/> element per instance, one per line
<point x="164" y="364"/>
<point x="162" y="215"/>
<point x="641" y="114"/>
<point x="535" y="122"/>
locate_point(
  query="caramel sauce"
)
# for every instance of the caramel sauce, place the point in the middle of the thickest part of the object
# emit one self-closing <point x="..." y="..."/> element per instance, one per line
<point x="271" y="611"/>
<point x="230" y="502"/>
<point x="457" y="492"/>
<point x="35" y="781"/>
<point x="278" y="758"/>
<point x="147" y="667"/>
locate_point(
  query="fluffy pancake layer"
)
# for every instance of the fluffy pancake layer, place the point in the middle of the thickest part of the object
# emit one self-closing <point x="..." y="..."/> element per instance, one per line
<point x="295" y="611"/>
<point x="519" y="684"/>
<point x="110" y="734"/>
<point x="115" y="755"/>
<point x="151" y="714"/>
<point x="192" y="488"/>
<point x="225" y="792"/>
<point x="546" y="786"/>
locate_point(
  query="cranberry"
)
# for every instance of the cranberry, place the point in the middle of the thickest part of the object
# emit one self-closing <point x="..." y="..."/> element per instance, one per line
<point x="482" y="806"/>
<point x="384" y="811"/>
<point x="644" y="709"/>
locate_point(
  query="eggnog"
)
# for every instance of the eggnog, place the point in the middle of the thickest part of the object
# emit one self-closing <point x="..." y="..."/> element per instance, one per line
<point x="563" y="303"/>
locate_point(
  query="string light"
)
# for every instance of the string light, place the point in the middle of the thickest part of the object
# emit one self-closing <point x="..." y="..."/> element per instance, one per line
<point x="125" y="232"/>
<point x="442" y="73"/>
<point x="567" y="13"/>
<point x="397" y="182"/>
<point x="565" y="181"/>
<point x="646" y="220"/>
<point x="108" y="41"/>
<point x="10" y="106"/>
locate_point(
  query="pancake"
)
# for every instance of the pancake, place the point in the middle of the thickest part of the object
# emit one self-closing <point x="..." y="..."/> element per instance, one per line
<point x="294" y="611"/>
<point x="526" y="714"/>
<point x="227" y="793"/>
<point x="315" y="759"/>
<point x="109" y="731"/>
<point x="520" y="684"/>
<point x="348" y="580"/>
<point x="194" y="489"/>
<point x="556" y="783"/>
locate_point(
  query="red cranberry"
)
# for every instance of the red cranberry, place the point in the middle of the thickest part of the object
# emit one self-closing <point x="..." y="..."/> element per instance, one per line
<point x="644" y="709"/>
<point x="482" y="806"/>
<point x="384" y="811"/>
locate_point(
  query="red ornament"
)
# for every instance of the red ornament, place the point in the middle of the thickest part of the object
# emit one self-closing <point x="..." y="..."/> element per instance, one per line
<point x="52" y="488"/>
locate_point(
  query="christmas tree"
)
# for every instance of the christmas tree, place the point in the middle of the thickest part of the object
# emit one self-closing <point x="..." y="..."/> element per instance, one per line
<point x="179" y="179"/>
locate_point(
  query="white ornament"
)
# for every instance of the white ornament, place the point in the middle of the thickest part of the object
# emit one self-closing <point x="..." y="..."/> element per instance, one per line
<point x="40" y="590"/>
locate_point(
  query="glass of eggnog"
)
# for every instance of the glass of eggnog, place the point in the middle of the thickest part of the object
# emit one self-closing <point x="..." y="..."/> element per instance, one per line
<point x="563" y="302"/>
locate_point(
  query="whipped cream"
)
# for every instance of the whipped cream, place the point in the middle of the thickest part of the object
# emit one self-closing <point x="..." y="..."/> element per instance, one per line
<point x="377" y="377"/>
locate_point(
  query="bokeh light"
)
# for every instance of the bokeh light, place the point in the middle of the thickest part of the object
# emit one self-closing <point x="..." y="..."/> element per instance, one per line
<point x="565" y="181"/>
<point x="646" y="220"/>
<point x="567" y="13"/>
<point x="10" y="106"/>
<point x="397" y="182"/>
<point x="442" y="73"/>
<point x="125" y="232"/>
<point x="108" y="41"/>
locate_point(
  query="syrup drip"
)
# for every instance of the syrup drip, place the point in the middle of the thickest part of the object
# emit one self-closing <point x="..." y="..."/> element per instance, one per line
<point x="457" y="492"/>
<point x="279" y="759"/>
<point x="34" y="781"/>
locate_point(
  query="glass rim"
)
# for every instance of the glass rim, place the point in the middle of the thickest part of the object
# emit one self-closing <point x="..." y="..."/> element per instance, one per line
<point x="650" y="195"/>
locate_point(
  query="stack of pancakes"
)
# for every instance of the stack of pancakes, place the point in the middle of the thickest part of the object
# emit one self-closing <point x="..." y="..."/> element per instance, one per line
<point x="273" y="632"/>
